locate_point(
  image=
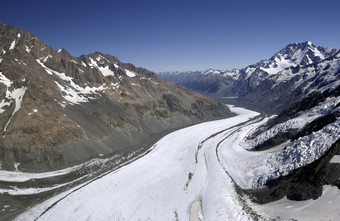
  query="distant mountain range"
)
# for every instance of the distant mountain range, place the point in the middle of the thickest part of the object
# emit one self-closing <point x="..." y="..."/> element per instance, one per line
<point x="58" y="110"/>
<point x="269" y="85"/>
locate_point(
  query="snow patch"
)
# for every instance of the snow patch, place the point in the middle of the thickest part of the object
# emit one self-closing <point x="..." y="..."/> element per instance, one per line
<point x="335" y="159"/>
<point x="106" y="71"/>
<point x="75" y="94"/>
<point x="130" y="74"/>
<point x="48" y="70"/>
<point x="4" y="80"/>
<point x="17" y="95"/>
<point x="27" y="49"/>
<point x="46" y="58"/>
<point x="7" y="82"/>
<point x="12" y="45"/>
<point x="274" y="68"/>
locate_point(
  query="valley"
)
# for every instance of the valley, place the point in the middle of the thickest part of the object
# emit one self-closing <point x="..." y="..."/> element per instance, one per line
<point x="94" y="138"/>
<point x="196" y="173"/>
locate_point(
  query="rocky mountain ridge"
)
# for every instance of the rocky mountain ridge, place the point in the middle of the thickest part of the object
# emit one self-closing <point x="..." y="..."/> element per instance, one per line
<point x="269" y="85"/>
<point x="57" y="110"/>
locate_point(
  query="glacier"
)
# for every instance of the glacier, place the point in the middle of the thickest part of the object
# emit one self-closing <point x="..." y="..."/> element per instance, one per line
<point x="190" y="174"/>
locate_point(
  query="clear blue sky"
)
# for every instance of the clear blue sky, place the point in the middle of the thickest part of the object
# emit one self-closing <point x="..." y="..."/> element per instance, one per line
<point x="179" y="35"/>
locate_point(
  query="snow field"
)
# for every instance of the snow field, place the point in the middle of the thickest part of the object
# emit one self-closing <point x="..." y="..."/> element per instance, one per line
<point x="191" y="174"/>
<point x="157" y="186"/>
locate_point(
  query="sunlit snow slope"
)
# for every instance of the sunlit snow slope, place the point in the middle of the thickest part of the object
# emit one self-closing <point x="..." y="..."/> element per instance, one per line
<point x="190" y="174"/>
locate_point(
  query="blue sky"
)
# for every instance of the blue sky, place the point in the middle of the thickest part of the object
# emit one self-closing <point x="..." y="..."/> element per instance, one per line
<point x="178" y="34"/>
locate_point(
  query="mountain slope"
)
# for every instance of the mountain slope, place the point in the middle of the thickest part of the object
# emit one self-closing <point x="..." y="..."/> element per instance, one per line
<point x="272" y="85"/>
<point x="269" y="85"/>
<point x="57" y="110"/>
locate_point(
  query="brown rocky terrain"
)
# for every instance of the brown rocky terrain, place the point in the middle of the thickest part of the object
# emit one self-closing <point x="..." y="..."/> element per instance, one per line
<point x="57" y="110"/>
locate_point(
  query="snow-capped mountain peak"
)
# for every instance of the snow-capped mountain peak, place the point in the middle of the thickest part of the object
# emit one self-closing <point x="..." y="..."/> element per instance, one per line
<point x="294" y="54"/>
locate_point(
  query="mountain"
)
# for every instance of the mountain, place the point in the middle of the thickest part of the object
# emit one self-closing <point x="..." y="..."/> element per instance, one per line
<point x="301" y="85"/>
<point x="57" y="110"/>
<point x="208" y="82"/>
<point x="270" y="85"/>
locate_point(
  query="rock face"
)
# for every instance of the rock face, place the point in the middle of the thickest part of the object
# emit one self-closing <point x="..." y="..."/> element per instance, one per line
<point x="57" y="110"/>
<point x="270" y="85"/>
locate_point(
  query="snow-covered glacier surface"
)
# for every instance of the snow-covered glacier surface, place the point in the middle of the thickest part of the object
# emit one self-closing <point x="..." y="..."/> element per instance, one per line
<point x="190" y="174"/>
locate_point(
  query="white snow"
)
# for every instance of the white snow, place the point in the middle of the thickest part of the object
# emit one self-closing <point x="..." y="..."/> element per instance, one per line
<point x="12" y="45"/>
<point x="72" y="92"/>
<point x="4" y="80"/>
<point x="48" y="70"/>
<point x="17" y="94"/>
<point x="46" y="58"/>
<point x="281" y="63"/>
<point x="234" y="74"/>
<point x="131" y="74"/>
<point x="75" y="94"/>
<point x="3" y="104"/>
<point x="7" y="82"/>
<point x="335" y="159"/>
<point x="27" y="49"/>
<point x="18" y="35"/>
<point x="249" y="71"/>
<point x="93" y="63"/>
<point x="100" y="57"/>
<point x="106" y="71"/>
<point x="115" y="85"/>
